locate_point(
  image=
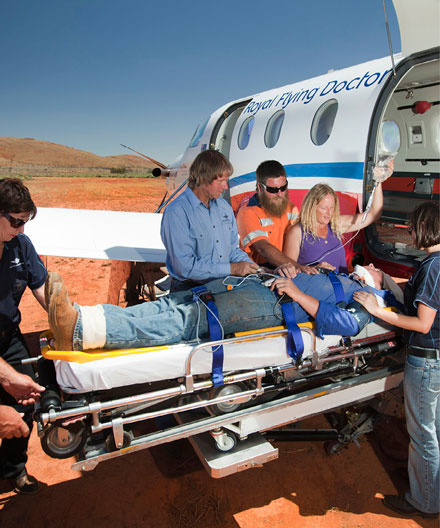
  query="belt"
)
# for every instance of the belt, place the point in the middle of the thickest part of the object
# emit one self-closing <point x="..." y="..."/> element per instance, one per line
<point x="430" y="353"/>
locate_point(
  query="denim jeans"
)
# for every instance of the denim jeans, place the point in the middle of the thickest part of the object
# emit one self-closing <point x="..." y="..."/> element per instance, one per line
<point x="422" y="406"/>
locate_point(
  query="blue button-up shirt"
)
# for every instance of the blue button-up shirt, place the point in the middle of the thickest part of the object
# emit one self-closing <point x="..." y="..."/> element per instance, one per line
<point x="201" y="242"/>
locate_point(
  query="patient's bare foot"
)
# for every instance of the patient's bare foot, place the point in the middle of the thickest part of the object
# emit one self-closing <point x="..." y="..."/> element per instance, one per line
<point x="62" y="316"/>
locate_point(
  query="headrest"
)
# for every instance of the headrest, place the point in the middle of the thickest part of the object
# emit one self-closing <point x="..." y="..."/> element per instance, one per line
<point x="390" y="284"/>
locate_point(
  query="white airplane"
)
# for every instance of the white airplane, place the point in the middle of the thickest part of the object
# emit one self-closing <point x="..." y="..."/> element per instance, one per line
<point x="330" y="128"/>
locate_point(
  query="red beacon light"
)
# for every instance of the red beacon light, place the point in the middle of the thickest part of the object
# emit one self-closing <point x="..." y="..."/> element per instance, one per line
<point x="420" y="107"/>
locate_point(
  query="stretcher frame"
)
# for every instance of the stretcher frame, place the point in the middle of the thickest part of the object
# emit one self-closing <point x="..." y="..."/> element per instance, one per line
<point x="244" y="424"/>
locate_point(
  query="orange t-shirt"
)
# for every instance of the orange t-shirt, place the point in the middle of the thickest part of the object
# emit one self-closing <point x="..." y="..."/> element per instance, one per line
<point x="255" y="224"/>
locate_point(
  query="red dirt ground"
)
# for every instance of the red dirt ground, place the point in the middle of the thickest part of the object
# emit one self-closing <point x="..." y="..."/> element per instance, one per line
<point x="167" y="487"/>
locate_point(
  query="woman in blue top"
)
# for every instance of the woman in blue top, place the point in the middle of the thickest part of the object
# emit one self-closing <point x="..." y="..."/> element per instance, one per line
<point x="422" y="370"/>
<point x="20" y="267"/>
<point x="316" y="238"/>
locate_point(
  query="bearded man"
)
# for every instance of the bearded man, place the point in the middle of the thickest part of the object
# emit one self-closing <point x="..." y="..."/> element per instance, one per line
<point x="263" y="221"/>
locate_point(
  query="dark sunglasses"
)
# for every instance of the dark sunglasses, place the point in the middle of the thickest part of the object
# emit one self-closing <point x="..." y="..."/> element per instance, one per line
<point x="15" y="222"/>
<point x="410" y="229"/>
<point x="274" y="190"/>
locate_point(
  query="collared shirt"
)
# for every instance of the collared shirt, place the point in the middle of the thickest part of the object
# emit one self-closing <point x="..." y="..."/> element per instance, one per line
<point x="424" y="287"/>
<point x="20" y="266"/>
<point x="255" y="224"/>
<point x="201" y="242"/>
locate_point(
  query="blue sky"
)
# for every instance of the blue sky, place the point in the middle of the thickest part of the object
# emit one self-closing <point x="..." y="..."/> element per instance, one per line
<point x="92" y="74"/>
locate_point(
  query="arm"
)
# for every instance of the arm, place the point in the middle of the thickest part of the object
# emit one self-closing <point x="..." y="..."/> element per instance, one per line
<point x="422" y="322"/>
<point x="39" y="295"/>
<point x="292" y="244"/>
<point x="329" y="319"/>
<point x="21" y="387"/>
<point x="11" y="423"/>
<point x="350" y="223"/>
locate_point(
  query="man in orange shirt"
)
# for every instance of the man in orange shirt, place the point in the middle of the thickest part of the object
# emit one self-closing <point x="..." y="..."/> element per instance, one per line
<point x="263" y="221"/>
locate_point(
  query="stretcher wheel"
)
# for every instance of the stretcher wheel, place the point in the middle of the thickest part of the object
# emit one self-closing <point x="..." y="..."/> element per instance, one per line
<point x="224" y="441"/>
<point x="60" y="442"/>
<point x="110" y="441"/>
<point x="226" y="406"/>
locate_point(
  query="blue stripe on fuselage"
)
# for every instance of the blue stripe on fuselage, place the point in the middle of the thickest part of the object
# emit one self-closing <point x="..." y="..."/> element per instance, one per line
<point x="349" y="170"/>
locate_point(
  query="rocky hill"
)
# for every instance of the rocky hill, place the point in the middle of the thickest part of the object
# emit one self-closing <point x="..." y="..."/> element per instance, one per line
<point x="34" y="157"/>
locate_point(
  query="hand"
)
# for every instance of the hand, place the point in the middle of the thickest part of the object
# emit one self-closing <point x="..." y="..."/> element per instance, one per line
<point x="286" y="270"/>
<point x="285" y="286"/>
<point x="11" y="423"/>
<point x="240" y="269"/>
<point x="382" y="173"/>
<point x="368" y="301"/>
<point x="309" y="270"/>
<point x="326" y="265"/>
<point x="23" y="388"/>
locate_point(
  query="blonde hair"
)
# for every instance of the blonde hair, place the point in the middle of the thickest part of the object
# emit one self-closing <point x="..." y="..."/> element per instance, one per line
<point x="307" y="216"/>
<point x="207" y="167"/>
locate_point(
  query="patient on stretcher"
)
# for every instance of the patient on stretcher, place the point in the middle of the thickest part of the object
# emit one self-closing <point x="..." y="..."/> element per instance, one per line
<point x="249" y="305"/>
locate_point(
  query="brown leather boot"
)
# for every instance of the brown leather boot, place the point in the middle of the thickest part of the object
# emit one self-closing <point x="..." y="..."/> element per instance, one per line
<point x="62" y="317"/>
<point x="52" y="278"/>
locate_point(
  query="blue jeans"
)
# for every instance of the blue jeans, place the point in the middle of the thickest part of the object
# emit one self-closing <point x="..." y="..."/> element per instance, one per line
<point x="176" y="318"/>
<point x="422" y="406"/>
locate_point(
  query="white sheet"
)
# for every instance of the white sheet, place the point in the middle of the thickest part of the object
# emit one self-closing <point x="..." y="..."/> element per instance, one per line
<point x="170" y="363"/>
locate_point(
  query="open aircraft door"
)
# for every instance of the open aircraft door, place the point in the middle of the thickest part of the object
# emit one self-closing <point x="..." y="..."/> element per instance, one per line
<point x="406" y="125"/>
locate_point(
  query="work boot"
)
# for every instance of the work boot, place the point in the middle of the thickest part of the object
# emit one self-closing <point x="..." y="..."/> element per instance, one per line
<point x="25" y="484"/>
<point x="399" y="504"/>
<point x="52" y="279"/>
<point x="62" y="317"/>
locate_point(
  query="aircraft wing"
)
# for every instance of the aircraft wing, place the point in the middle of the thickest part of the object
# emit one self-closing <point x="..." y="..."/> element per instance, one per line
<point x="110" y="235"/>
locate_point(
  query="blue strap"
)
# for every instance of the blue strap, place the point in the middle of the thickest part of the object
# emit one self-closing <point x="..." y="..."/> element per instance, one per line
<point x="201" y="293"/>
<point x="337" y="287"/>
<point x="295" y="343"/>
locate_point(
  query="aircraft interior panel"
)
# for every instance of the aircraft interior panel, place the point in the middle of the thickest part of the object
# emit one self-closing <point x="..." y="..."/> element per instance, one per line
<point x="415" y="107"/>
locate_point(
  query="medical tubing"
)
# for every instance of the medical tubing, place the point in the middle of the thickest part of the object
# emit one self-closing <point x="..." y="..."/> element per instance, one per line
<point x="316" y="261"/>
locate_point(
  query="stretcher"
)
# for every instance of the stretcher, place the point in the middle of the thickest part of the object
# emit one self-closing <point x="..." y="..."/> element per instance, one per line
<point x="98" y="404"/>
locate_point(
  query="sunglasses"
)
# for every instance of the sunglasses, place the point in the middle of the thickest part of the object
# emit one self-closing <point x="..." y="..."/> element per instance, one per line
<point x="410" y="229"/>
<point x="274" y="190"/>
<point x="15" y="222"/>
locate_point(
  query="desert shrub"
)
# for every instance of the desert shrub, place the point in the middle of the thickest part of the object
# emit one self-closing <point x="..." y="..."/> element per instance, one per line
<point x="118" y="170"/>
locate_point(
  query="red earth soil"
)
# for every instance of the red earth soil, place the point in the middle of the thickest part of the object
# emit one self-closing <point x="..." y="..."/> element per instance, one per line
<point x="166" y="486"/>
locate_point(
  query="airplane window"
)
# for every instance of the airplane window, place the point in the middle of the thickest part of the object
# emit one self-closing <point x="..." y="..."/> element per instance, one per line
<point x="390" y="137"/>
<point x="323" y="122"/>
<point x="245" y="132"/>
<point x="198" y="134"/>
<point x="273" y="129"/>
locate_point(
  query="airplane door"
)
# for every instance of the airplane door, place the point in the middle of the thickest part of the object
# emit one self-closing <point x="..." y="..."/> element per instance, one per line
<point x="419" y="24"/>
<point x="222" y="133"/>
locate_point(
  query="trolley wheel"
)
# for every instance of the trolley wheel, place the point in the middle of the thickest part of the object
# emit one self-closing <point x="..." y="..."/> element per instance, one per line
<point x="61" y="442"/>
<point x="333" y="447"/>
<point x="127" y="437"/>
<point x="226" y="442"/>
<point x="226" y="406"/>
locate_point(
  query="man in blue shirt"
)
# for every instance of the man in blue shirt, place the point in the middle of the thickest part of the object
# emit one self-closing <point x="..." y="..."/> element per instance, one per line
<point x="199" y="229"/>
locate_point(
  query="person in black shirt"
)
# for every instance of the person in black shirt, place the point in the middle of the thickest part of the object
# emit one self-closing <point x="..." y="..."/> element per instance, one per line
<point x="20" y="267"/>
<point x="422" y="370"/>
